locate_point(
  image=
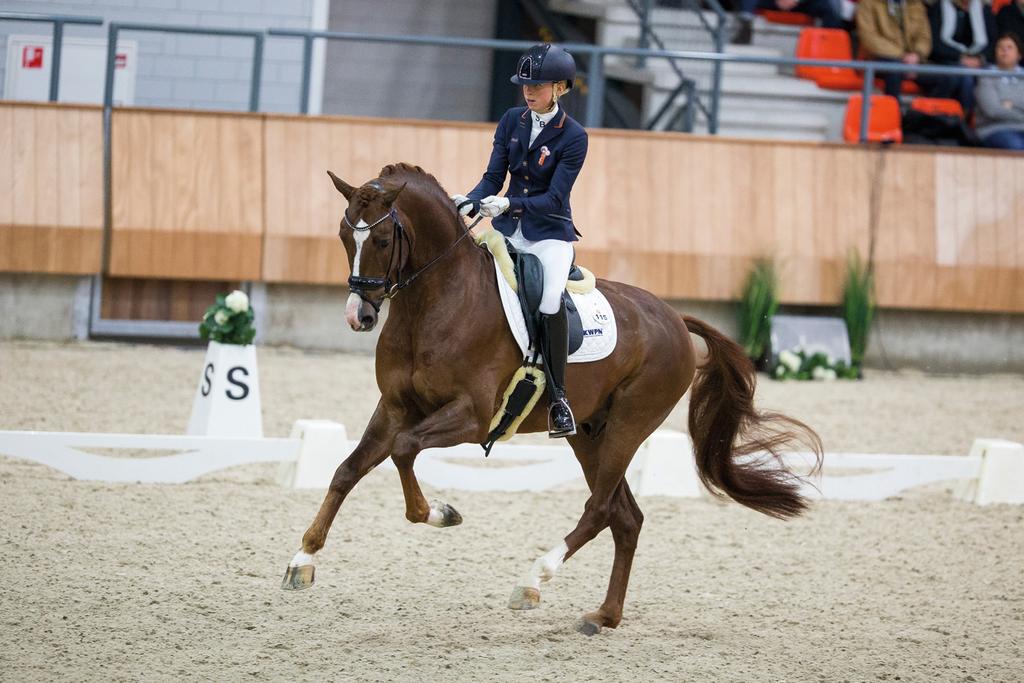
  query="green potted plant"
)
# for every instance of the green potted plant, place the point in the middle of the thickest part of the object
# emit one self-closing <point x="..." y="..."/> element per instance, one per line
<point x="759" y="301"/>
<point x="858" y="306"/>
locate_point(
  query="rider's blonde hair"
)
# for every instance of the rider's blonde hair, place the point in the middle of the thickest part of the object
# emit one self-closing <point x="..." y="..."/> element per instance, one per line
<point x="555" y="94"/>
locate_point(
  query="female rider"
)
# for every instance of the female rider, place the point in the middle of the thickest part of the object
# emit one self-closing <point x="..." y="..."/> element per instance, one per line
<point x="542" y="149"/>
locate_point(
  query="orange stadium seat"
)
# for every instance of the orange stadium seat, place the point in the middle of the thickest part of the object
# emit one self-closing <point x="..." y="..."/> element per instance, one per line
<point x="999" y="4"/>
<point x="884" y="121"/>
<point x="790" y="18"/>
<point x="937" y="105"/>
<point x="827" y="43"/>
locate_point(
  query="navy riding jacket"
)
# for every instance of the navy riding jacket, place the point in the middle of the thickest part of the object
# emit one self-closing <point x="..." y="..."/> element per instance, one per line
<point x="541" y="176"/>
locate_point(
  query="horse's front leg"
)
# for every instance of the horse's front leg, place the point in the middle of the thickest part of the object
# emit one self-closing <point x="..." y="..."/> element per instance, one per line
<point x="454" y="423"/>
<point x="373" y="448"/>
<point x="417" y="509"/>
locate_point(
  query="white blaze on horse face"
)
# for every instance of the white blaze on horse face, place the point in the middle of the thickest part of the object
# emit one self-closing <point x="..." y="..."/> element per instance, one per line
<point x="545" y="567"/>
<point x="352" y="305"/>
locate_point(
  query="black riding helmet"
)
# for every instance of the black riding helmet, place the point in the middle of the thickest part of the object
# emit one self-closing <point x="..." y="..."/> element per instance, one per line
<point x="545" y="63"/>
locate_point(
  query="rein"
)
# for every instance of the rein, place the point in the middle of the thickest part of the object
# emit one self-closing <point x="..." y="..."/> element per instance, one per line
<point x="399" y="239"/>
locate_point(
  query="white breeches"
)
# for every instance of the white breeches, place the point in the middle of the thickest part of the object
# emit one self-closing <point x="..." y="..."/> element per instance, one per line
<point x="556" y="258"/>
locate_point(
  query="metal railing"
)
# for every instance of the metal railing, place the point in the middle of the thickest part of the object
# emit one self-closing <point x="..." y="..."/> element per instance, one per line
<point x="595" y="76"/>
<point x="257" y="53"/>
<point x="594" y="111"/>
<point x="58" y="21"/>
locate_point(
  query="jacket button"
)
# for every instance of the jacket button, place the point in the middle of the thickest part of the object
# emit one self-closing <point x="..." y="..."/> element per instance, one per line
<point x="525" y="190"/>
<point x="524" y="164"/>
<point x="526" y="177"/>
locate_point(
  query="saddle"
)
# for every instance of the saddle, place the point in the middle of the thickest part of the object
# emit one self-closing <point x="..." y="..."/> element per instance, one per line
<point x="521" y="286"/>
<point x="530" y="280"/>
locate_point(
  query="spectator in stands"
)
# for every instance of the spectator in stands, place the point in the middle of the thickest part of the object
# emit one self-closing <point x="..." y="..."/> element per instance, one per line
<point x="825" y="10"/>
<point x="963" y="33"/>
<point x="894" y="31"/>
<point x="1000" y="116"/>
<point x="1011" y="19"/>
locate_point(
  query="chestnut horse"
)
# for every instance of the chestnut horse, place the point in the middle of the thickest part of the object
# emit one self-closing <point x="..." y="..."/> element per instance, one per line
<point x="445" y="357"/>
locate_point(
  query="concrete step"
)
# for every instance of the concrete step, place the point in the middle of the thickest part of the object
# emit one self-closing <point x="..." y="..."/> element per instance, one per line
<point x="679" y="29"/>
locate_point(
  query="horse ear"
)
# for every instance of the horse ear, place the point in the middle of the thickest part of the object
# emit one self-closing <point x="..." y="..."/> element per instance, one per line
<point x="342" y="186"/>
<point x="391" y="195"/>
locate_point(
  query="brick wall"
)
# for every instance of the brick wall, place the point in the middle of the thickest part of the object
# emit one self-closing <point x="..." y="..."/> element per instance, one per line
<point x="192" y="71"/>
<point x="410" y="81"/>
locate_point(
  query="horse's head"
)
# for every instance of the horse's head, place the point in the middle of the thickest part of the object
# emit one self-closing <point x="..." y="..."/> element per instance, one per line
<point x="374" y="238"/>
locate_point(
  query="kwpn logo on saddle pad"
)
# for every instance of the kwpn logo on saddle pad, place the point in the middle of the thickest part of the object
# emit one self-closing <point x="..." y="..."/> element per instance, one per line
<point x="593" y="332"/>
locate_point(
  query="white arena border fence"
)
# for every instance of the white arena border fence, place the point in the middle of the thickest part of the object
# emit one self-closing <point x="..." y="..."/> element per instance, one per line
<point x="992" y="473"/>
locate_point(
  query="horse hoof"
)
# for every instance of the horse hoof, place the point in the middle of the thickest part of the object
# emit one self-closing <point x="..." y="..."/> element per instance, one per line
<point x="588" y="627"/>
<point x="298" y="578"/>
<point x="524" y="598"/>
<point x="442" y="515"/>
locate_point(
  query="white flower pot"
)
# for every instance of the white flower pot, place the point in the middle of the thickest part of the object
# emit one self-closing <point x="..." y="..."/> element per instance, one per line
<point x="227" y="401"/>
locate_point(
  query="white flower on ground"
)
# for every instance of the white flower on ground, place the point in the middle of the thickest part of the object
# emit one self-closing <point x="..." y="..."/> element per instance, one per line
<point x="221" y="317"/>
<point x="819" y="373"/>
<point x="790" y="360"/>
<point x="780" y="370"/>
<point x="237" y="301"/>
<point x="830" y="374"/>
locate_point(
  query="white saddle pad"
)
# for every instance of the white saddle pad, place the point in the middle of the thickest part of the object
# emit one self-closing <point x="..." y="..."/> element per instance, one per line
<point x="599" y="330"/>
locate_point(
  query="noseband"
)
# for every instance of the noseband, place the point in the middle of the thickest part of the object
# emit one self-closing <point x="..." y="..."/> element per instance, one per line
<point x="400" y="245"/>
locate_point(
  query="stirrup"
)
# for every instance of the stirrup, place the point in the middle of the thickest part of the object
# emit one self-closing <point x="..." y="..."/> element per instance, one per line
<point x="553" y="431"/>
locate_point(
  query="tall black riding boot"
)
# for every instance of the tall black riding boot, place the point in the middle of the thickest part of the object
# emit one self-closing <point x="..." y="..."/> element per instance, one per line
<point x="554" y="333"/>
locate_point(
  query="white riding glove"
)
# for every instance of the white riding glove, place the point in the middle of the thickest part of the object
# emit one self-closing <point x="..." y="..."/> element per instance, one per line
<point x="458" y="199"/>
<point x="493" y="206"/>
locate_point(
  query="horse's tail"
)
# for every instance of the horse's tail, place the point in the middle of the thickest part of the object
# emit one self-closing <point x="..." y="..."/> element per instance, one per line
<point x="733" y="442"/>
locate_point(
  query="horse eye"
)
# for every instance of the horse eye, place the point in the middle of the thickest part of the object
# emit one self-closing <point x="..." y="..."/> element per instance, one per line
<point x="382" y="242"/>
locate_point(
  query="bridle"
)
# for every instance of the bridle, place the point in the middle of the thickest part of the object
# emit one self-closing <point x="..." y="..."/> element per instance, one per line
<point x="401" y="245"/>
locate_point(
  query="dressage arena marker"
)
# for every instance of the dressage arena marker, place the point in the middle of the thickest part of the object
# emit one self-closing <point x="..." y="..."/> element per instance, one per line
<point x="227" y="399"/>
<point x="992" y="473"/>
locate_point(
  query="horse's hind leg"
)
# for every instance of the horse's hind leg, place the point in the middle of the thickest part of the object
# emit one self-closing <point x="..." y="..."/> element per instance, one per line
<point x="604" y="462"/>
<point x="417" y="509"/>
<point x="625" y="525"/>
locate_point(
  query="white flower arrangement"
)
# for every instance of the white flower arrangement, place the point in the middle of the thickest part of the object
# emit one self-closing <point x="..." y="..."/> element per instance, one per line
<point x="237" y="301"/>
<point x="799" y="364"/>
<point x="229" y="321"/>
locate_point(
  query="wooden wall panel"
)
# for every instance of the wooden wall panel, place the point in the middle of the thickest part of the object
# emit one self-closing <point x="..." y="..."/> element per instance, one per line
<point x="188" y="195"/>
<point x="51" y="188"/>
<point x="213" y="196"/>
<point x="152" y="299"/>
<point x="303" y="209"/>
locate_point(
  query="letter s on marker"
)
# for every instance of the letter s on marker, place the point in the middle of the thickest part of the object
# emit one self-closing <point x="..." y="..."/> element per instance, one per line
<point x="238" y="383"/>
<point x="207" y="384"/>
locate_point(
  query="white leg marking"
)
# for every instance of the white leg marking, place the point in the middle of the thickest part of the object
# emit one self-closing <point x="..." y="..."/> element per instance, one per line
<point x="436" y="515"/>
<point x="545" y="567"/>
<point x="301" y="559"/>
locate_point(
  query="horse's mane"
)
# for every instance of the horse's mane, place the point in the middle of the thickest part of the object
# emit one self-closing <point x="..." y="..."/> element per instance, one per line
<point x="416" y="177"/>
